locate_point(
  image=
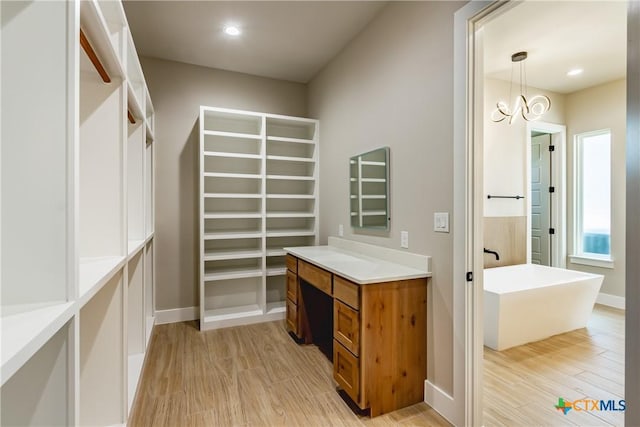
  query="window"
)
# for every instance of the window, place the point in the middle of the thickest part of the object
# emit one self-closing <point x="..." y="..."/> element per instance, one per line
<point x="593" y="195"/>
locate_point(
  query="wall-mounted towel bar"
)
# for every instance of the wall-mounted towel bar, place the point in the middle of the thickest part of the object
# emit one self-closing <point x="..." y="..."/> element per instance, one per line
<point x="504" y="197"/>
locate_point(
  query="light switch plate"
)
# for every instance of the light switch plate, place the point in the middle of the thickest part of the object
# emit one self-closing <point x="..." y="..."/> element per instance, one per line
<point x="340" y="230"/>
<point x="441" y="222"/>
<point x="404" y="239"/>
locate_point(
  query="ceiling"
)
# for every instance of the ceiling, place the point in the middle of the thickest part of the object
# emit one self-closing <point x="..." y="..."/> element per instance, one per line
<point x="559" y="36"/>
<point x="293" y="40"/>
<point x="285" y="40"/>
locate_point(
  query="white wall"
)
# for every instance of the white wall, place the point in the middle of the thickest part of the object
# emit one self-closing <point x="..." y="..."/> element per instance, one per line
<point x="505" y="145"/>
<point x="177" y="91"/>
<point x="392" y="86"/>
<point x="596" y="108"/>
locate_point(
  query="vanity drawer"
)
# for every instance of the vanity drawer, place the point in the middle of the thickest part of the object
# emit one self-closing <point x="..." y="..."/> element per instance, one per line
<point x="315" y="276"/>
<point x="292" y="263"/>
<point x="346" y="371"/>
<point x="346" y="326"/>
<point x="292" y="287"/>
<point x="292" y="317"/>
<point x="346" y="291"/>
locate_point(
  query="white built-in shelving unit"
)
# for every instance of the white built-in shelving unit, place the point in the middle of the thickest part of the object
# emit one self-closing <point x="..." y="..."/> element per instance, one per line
<point x="77" y="185"/>
<point x="258" y="194"/>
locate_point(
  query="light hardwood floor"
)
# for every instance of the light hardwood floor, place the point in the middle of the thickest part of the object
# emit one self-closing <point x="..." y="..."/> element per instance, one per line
<point x="522" y="384"/>
<point x="252" y="375"/>
<point x="257" y="376"/>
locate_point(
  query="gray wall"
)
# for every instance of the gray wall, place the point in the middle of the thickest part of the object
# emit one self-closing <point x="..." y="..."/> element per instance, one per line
<point x="177" y="91"/>
<point x="392" y="86"/>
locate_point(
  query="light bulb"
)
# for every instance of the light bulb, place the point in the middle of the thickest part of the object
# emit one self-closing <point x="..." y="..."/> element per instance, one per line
<point x="232" y="30"/>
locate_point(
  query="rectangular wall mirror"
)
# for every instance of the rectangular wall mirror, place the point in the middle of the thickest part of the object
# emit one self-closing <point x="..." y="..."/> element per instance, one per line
<point x="369" y="195"/>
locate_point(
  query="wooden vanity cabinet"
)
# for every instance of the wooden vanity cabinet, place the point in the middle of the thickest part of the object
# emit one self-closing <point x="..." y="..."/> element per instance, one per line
<point x="379" y="336"/>
<point x="293" y="324"/>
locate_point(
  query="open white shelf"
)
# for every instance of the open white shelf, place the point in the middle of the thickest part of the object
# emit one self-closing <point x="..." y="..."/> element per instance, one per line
<point x="97" y="30"/>
<point x="276" y="307"/>
<point x="134" y="366"/>
<point x="258" y="181"/>
<point x="232" y="175"/>
<point x="38" y="393"/>
<point x="136" y="322"/>
<point x="135" y="246"/>
<point x="25" y="329"/>
<point x="290" y="233"/>
<point x="65" y="326"/>
<point x="227" y="255"/>
<point x="291" y="159"/>
<point x="373" y="180"/>
<point x="94" y="273"/>
<point x="227" y="313"/>
<point x="232" y="235"/>
<point x="231" y="273"/>
<point x="232" y="196"/>
<point x="149" y="290"/>
<point x="291" y="196"/>
<point x="291" y="177"/>
<point x="115" y="24"/>
<point x="149" y="133"/>
<point x="231" y="155"/>
<point x="150" y="119"/>
<point x="373" y="213"/>
<point x="276" y="271"/>
<point x="276" y="252"/>
<point x="232" y="134"/>
<point x="133" y="103"/>
<point x="103" y="376"/>
<point x="290" y="215"/>
<point x="294" y="140"/>
<point x="231" y="215"/>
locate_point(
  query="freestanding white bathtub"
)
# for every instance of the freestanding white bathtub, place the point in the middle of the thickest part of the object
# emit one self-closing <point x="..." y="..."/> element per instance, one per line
<point x="528" y="302"/>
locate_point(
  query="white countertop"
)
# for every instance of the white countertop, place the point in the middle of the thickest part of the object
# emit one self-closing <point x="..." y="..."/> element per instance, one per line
<point x="354" y="266"/>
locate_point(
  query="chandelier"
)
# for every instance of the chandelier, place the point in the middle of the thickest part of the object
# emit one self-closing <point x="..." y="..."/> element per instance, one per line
<point x="530" y="109"/>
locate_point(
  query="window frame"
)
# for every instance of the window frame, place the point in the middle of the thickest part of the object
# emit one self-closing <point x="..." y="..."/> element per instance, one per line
<point x="579" y="255"/>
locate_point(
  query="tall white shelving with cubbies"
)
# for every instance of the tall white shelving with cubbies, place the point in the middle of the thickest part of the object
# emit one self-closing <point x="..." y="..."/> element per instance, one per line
<point x="258" y="194"/>
<point x="76" y="320"/>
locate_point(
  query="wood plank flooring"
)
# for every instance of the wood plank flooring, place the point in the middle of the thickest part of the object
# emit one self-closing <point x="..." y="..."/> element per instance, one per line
<point x="257" y="376"/>
<point x="522" y="384"/>
<point x="252" y="375"/>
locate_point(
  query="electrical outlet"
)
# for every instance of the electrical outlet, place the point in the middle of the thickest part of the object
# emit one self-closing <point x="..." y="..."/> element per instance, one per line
<point x="441" y="222"/>
<point x="340" y="230"/>
<point x="404" y="239"/>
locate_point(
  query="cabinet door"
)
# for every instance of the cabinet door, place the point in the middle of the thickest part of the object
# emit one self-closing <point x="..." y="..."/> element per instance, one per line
<point x="292" y="287"/>
<point x="292" y="317"/>
<point x="346" y="371"/>
<point x="346" y="326"/>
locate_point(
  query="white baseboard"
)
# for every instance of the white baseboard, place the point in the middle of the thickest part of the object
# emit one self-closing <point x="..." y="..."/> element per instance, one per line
<point x="610" y="300"/>
<point x="440" y="401"/>
<point x="175" y="315"/>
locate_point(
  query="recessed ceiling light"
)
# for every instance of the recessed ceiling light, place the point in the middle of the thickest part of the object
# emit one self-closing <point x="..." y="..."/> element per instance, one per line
<point x="232" y="30"/>
<point x="575" y="72"/>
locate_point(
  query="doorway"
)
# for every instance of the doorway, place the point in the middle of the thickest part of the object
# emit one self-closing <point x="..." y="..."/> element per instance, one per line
<point x="468" y="202"/>
<point x="540" y="198"/>
<point x="546" y="188"/>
